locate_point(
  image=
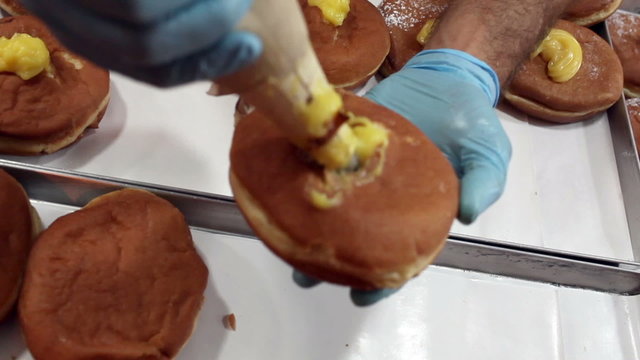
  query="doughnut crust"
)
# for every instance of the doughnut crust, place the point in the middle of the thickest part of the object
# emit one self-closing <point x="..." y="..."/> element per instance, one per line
<point x="590" y="12"/>
<point x="405" y="19"/>
<point x="351" y="53"/>
<point x="386" y="230"/>
<point x="594" y="88"/>
<point x="51" y="110"/>
<point x="624" y="30"/>
<point x="633" y="108"/>
<point x="17" y="228"/>
<point x="118" y="279"/>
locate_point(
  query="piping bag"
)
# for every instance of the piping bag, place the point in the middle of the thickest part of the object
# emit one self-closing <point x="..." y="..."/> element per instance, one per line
<point x="287" y="82"/>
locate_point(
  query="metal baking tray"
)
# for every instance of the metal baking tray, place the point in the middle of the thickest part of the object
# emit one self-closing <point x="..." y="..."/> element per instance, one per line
<point x="219" y="214"/>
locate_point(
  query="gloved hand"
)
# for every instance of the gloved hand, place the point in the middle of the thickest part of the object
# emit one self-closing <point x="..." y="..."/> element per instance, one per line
<point x="450" y="96"/>
<point x="162" y="42"/>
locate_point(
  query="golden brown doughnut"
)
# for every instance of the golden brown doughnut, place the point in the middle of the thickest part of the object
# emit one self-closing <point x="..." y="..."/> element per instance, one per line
<point x="405" y="19"/>
<point x="388" y="227"/>
<point x="590" y="12"/>
<point x="594" y="88"/>
<point x="19" y="224"/>
<point x="351" y="53"/>
<point x="51" y="110"/>
<point x="633" y="108"/>
<point x="118" y="279"/>
<point x="624" y="30"/>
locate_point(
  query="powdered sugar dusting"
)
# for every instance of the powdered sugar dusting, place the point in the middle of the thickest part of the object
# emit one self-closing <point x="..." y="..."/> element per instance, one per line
<point x="405" y="14"/>
<point x="623" y="23"/>
<point x="593" y="70"/>
<point x="633" y="106"/>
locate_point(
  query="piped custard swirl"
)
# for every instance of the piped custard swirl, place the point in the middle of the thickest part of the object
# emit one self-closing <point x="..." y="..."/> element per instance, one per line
<point x="563" y="55"/>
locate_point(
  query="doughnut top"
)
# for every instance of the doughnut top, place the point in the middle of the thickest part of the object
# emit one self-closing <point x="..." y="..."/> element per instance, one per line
<point x="388" y="226"/>
<point x="624" y="30"/>
<point x="54" y="103"/>
<point x="597" y="84"/>
<point x="352" y="52"/>
<point x="117" y="279"/>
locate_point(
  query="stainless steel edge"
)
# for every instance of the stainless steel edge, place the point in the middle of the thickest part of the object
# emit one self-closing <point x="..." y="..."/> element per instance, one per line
<point x="219" y="214"/>
<point x="627" y="162"/>
<point x="628" y="170"/>
<point x="202" y="210"/>
<point x="538" y="264"/>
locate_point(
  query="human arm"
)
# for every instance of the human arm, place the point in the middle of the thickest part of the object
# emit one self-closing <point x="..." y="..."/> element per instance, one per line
<point x="501" y="33"/>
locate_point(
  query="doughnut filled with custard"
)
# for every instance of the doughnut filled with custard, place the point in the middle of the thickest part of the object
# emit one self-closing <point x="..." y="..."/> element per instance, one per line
<point x="45" y="105"/>
<point x="375" y="226"/>
<point x="591" y="87"/>
<point x="350" y="44"/>
<point x="410" y="23"/>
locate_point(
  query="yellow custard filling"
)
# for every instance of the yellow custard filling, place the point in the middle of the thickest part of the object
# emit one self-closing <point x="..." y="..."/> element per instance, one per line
<point x="356" y="139"/>
<point x="354" y="142"/>
<point x="369" y="136"/>
<point x="24" y="55"/>
<point x="322" y="109"/>
<point x="322" y="201"/>
<point x="425" y="32"/>
<point x="333" y="11"/>
<point x="339" y="151"/>
<point x="563" y="55"/>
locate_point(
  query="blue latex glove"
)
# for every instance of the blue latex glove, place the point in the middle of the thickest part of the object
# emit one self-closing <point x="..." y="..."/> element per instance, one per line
<point x="450" y="96"/>
<point x="162" y="42"/>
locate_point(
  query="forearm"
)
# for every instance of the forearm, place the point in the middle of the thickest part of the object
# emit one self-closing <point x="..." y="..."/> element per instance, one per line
<point x="502" y="33"/>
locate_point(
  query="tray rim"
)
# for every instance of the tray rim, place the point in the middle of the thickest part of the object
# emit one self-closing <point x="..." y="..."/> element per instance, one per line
<point x="219" y="214"/>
